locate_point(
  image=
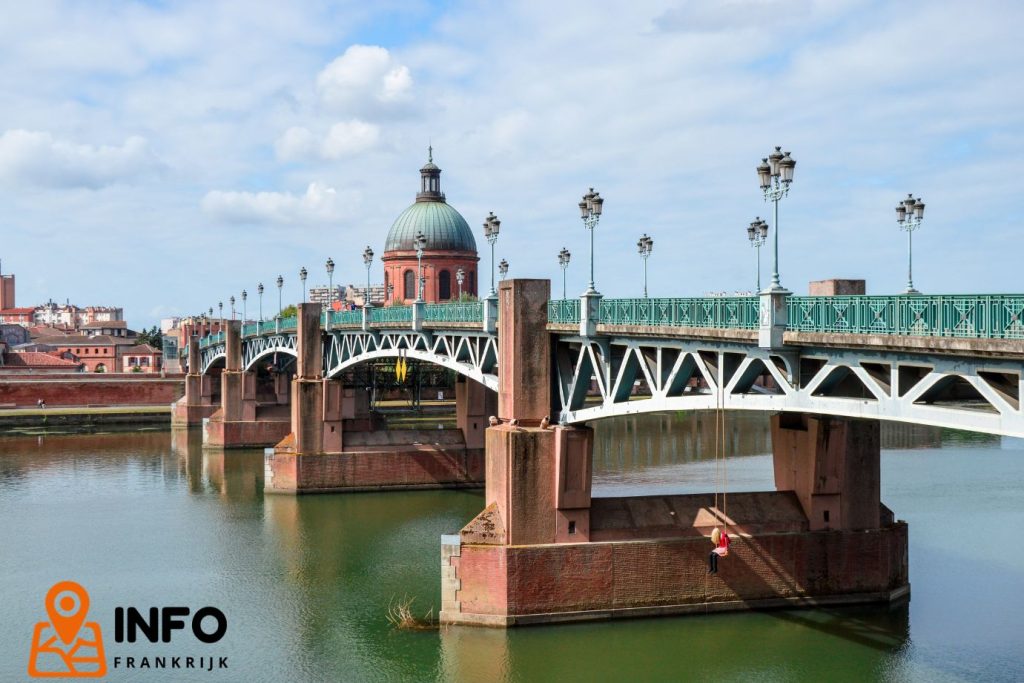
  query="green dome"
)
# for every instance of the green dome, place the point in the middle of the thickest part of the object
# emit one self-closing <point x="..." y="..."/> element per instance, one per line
<point x="443" y="226"/>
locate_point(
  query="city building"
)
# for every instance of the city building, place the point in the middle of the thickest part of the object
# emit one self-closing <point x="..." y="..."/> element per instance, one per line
<point x="6" y="291"/>
<point x="141" y="358"/>
<point x="449" y="246"/>
<point x="99" y="354"/>
<point x="355" y="295"/>
<point x="322" y="295"/>
<point x="23" y="362"/>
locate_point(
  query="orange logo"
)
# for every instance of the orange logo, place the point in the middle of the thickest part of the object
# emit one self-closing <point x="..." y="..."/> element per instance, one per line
<point x="67" y="646"/>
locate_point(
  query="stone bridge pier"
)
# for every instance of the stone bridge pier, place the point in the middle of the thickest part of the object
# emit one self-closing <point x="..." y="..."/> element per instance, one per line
<point x="197" y="403"/>
<point x="240" y="422"/>
<point x="544" y="550"/>
<point x="333" y="445"/>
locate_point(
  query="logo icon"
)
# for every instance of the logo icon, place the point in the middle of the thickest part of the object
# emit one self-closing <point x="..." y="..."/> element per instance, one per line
<point x="67" y="646"/>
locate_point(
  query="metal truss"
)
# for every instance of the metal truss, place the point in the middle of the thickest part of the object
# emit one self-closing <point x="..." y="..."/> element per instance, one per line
<point x="468" y="352"/>
<point x="603" y="377"/>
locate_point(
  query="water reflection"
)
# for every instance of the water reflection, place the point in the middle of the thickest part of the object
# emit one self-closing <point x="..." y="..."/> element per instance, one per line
<point x="306" y="581"/>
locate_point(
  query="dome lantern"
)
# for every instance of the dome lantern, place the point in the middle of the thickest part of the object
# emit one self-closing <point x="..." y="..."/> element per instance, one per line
<point x="430" y="180"/>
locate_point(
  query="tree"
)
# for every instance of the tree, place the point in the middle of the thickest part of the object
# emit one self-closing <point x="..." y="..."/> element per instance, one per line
<point x="152" y="336"/>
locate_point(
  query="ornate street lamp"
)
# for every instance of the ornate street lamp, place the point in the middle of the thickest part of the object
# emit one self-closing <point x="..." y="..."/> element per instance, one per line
<point x="220" y="311"/>
<point x="563" y="261"/>
<point x="460" y="277"/>
<point x="259" y="290"/>
<point x="280" y="306"/>
<point x="420" y="243"/>
<point x="757" y="233"/>
<point x="491" y="228"/>
<point x="367" y="260"/>
<point x="590" y="212"/>
<point x="391" y="292"/>
<point x="232" y="302"/>
<point x="503" y="268"/>
<point x="330" y="291"/>
<point x="644" y="246"/>
<point x="302" y="277"/>
<point x="909" y="215"/>
<point x="245" y="295"/>
<point x="775" y="175"/>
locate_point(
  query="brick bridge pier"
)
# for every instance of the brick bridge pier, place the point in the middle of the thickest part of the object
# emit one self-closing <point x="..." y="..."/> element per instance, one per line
<point x="544" y="550"/>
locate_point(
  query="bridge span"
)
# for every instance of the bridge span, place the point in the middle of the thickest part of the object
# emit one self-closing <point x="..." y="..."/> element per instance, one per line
<point x="947" y="361"/>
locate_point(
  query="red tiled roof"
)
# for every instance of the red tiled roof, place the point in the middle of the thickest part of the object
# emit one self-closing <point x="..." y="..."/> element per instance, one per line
<point x="141" y="349"/>
<point x="119" y="324"/>
<point x="36" y="359"/>
<point x="17" y="311"/>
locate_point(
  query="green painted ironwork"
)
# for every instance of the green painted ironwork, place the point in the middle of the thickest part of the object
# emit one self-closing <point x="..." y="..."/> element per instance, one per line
<point x="726" y="312"/>
<point x="564" y="311"/>
<point x="391" y="314"/>
<point x="986" y="316"/>
<point x="457" y="312"/>
<point x="346" y="318"/>
<point x="250" y="329"/>
<point x="289" y="324"/>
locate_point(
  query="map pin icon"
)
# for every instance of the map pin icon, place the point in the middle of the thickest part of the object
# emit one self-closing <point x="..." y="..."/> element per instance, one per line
<point x="64" y="615"/>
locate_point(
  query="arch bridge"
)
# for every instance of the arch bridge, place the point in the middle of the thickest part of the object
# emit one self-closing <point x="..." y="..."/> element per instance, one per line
<point x="952" y="361"/>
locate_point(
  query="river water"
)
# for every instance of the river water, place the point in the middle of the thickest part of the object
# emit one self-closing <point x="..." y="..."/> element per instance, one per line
<point x="148" y="519"/>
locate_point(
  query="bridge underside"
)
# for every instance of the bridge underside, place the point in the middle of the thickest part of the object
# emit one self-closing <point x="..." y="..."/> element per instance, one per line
<point x="604" y="377"/>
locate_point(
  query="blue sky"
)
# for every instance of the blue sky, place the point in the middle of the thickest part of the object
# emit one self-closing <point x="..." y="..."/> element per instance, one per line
<point x="164" y="156"/>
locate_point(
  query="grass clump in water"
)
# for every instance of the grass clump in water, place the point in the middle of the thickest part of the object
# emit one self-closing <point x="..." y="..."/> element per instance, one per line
<point x="401" y="617"/>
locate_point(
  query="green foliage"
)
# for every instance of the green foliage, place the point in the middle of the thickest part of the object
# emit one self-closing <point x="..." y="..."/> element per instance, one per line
<point x="290" y="311"/>
<point x="152" y="336"/>
<point x="466" y="296"/>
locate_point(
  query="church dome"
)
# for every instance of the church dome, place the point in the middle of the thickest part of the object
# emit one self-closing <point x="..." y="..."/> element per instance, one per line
<point x="443" y="226"/>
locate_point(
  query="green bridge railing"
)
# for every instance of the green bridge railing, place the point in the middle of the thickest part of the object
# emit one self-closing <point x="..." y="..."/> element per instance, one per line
<point x="717" y="312"/>
<point x="988" y="316"/>
<point x="461" y="312"/>
<point x="391" y="314"/>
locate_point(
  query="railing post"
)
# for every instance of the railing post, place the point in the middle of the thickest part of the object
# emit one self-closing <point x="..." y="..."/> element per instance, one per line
<point x="419" y="314"/>
<point x="774" y="317"/>
<point x="590" y="313"/>
<point x="490" y="314"/>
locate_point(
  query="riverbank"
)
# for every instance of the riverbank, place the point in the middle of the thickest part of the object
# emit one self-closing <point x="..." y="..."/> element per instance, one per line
<point x="83" y="419"/>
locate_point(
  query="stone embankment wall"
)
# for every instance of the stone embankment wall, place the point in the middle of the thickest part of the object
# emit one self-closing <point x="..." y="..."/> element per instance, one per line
<point x="89" y="390"/>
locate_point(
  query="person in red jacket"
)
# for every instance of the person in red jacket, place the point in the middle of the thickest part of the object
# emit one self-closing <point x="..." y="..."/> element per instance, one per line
<point x="721" y="549"/>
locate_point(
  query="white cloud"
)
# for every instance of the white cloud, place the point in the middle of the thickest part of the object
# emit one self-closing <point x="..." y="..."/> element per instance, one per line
<point x="37" y="158"/>
<point x="364" y="79"/>
<point x="320" y="204"/>
<point x="343" y="139"/>
<point x="296" y="144"/>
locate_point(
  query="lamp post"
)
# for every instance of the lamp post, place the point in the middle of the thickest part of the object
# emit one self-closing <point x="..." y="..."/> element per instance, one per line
<point x="302" y="277"/>
<point x="563" y="262"/>
<point x="280" y="306"/>
<point x="367" y="260"/>
<point x="757" y="233"/>
<point x="259" y="290"/>
<point x="644" y="246"/>
<point x="330" y="291"/>
<point x="460" y="277"/>
<point x="391" y="291"/>
<point x="503" y="269"/>
<point x="232" y="302"/>
<point x="491" y="228"/>
<point x="245" y="295"/>
<point x="590" y="211"/>
<point x="775" y="175"/>
<point x="420" y="243"/>
<point x="220" y="313"/>
<point x="909" y="215"/>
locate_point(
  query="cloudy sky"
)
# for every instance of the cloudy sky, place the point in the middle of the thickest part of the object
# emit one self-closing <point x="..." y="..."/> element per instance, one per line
<point x="165" y="155"/>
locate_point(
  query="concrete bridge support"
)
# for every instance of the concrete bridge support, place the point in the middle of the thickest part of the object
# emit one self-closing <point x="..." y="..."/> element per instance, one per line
<point x="197" y="403"/>
<point x="333" y="446"/>
<point x="236" y="424"/>
<point x="543" y="550"/>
